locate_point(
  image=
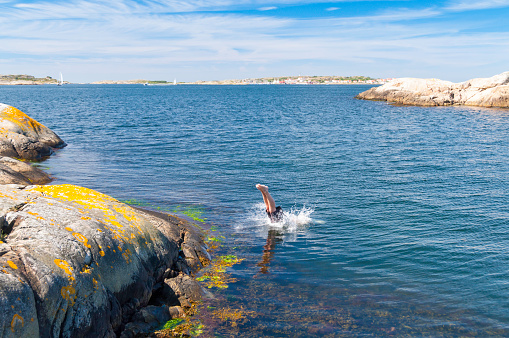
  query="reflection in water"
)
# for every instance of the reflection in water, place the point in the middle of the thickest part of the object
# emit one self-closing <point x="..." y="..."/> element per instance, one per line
<point x="273" y="237"/>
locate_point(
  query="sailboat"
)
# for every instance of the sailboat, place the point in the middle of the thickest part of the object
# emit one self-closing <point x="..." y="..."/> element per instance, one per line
<point x="175" y="82"/>
<point x="61" y="81"/>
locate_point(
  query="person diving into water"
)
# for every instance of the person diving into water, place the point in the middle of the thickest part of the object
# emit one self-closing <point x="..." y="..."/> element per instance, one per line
<point x="275" y="213"/>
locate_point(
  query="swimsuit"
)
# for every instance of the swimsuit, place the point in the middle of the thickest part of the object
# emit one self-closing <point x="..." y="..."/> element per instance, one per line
<point x="276" y="216"/>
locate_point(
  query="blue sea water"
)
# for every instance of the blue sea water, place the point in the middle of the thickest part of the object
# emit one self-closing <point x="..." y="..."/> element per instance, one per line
<point x="397" y="216"/>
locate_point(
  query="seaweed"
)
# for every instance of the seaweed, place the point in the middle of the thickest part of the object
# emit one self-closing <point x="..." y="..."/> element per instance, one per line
<point x="216" y="276"/>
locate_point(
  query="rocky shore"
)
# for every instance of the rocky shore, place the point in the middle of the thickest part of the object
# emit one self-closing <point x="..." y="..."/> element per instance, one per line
<point x="78" y="263"/>
<point x="483" y="92"/>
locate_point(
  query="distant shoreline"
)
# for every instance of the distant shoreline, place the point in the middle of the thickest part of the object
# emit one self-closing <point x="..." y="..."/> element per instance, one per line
<point x="15" y="80"/>
<point x="289" y="80"/>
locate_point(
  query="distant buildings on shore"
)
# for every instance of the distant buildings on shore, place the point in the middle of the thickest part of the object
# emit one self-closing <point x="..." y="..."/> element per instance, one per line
<point x="295" y="80"/>
<point x="302" y="80"/>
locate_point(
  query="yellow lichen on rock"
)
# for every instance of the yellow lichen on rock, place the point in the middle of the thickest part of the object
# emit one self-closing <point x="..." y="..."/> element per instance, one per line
<point x="64" y="266"/>
<point x="68" y="293"/>
<point x="86" y="200"/>
<point x="21" y="119"/>
<point x="82" y="239"/>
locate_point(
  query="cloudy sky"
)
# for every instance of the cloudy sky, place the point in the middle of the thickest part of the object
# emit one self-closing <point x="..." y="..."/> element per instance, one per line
<point x="90" y="40"/>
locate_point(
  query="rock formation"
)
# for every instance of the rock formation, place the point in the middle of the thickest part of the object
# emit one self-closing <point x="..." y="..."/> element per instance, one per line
<point x="78" y="263"/>
<point x="485" y="92"/>
<point x="75" y="262"/>
<point x="16" y="172"/>
<point x="23" y="137"/>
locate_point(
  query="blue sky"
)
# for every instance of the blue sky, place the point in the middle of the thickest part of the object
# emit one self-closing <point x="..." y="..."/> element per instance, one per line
<point x="214" y="40"/>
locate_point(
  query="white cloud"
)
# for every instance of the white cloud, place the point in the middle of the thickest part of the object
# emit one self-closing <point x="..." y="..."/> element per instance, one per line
<point x="95" y="40"/>
<point x="271" y="8"/>
<point x="465" y="5"/>
<point x="330" y="9"/>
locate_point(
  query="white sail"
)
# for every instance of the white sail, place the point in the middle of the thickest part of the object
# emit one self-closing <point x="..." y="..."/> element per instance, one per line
<point x="175" y="81"/>
<point x="61" y="81"/>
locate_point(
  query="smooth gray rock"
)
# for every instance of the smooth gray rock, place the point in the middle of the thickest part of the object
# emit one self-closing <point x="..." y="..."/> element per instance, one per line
<point x="485" y="92"/>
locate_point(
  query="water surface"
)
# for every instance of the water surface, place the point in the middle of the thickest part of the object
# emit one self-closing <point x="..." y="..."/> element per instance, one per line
<point x="409" y="223"/>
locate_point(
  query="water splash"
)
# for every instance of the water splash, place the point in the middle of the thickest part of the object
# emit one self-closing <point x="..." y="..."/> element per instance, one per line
<point x="294" y="220"/>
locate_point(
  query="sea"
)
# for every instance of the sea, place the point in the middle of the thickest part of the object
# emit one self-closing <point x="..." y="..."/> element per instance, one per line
<point x="396" y="217"/>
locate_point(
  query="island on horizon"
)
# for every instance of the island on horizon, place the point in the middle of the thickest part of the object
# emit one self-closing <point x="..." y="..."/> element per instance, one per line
<point x="299" y="80"/>
<point x="23" y="79"/>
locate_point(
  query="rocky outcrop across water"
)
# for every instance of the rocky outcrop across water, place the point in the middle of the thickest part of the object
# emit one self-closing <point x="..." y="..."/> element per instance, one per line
<point x="77" y="263"/>
<point x="23" y="137"/>
<point x="483" y="92"/>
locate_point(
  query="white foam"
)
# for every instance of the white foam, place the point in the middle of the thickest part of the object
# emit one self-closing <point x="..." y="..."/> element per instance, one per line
<point x="295" y="220"/>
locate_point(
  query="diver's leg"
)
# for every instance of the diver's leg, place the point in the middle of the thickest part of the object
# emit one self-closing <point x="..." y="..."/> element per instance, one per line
<point x="270" y="204"/>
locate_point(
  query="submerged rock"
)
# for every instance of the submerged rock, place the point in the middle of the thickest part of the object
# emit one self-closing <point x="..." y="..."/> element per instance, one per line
<point x="75" y="262"/>
<point x="23" y="137"/>
<point x="483" y="92"/>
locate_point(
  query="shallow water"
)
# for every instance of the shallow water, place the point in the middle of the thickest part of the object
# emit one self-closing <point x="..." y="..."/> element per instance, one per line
<point x="397" y="216"/>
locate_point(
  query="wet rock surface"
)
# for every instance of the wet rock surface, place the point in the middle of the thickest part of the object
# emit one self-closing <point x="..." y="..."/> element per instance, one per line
<point x="483" y="92"/>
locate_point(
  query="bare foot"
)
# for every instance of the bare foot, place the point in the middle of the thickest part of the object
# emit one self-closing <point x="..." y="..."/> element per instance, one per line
<point x="262" y="187"/>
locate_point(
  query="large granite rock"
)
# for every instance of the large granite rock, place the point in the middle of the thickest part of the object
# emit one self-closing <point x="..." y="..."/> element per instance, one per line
<point x="23" y="137"/>
<point x="78" y="263"/>
<point x="485" y="92"/>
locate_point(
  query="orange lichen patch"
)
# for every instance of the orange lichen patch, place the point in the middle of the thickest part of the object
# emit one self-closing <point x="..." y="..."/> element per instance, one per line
<point x="69" y="229"/>
<point x="101" y="253"/>
<point x="85" y="218"/>
<point x="36" y="215"/>
<point x="12" y="265"/>
<point x="86" y="270"/>
<point x="81" y="238"/>
<point x="17" y="319"/>
<point x="68" y="293"/>
<point x="64" y="266"/>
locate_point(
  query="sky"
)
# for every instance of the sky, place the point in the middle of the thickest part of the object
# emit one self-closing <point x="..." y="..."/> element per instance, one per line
<point x="89" y="40"/>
